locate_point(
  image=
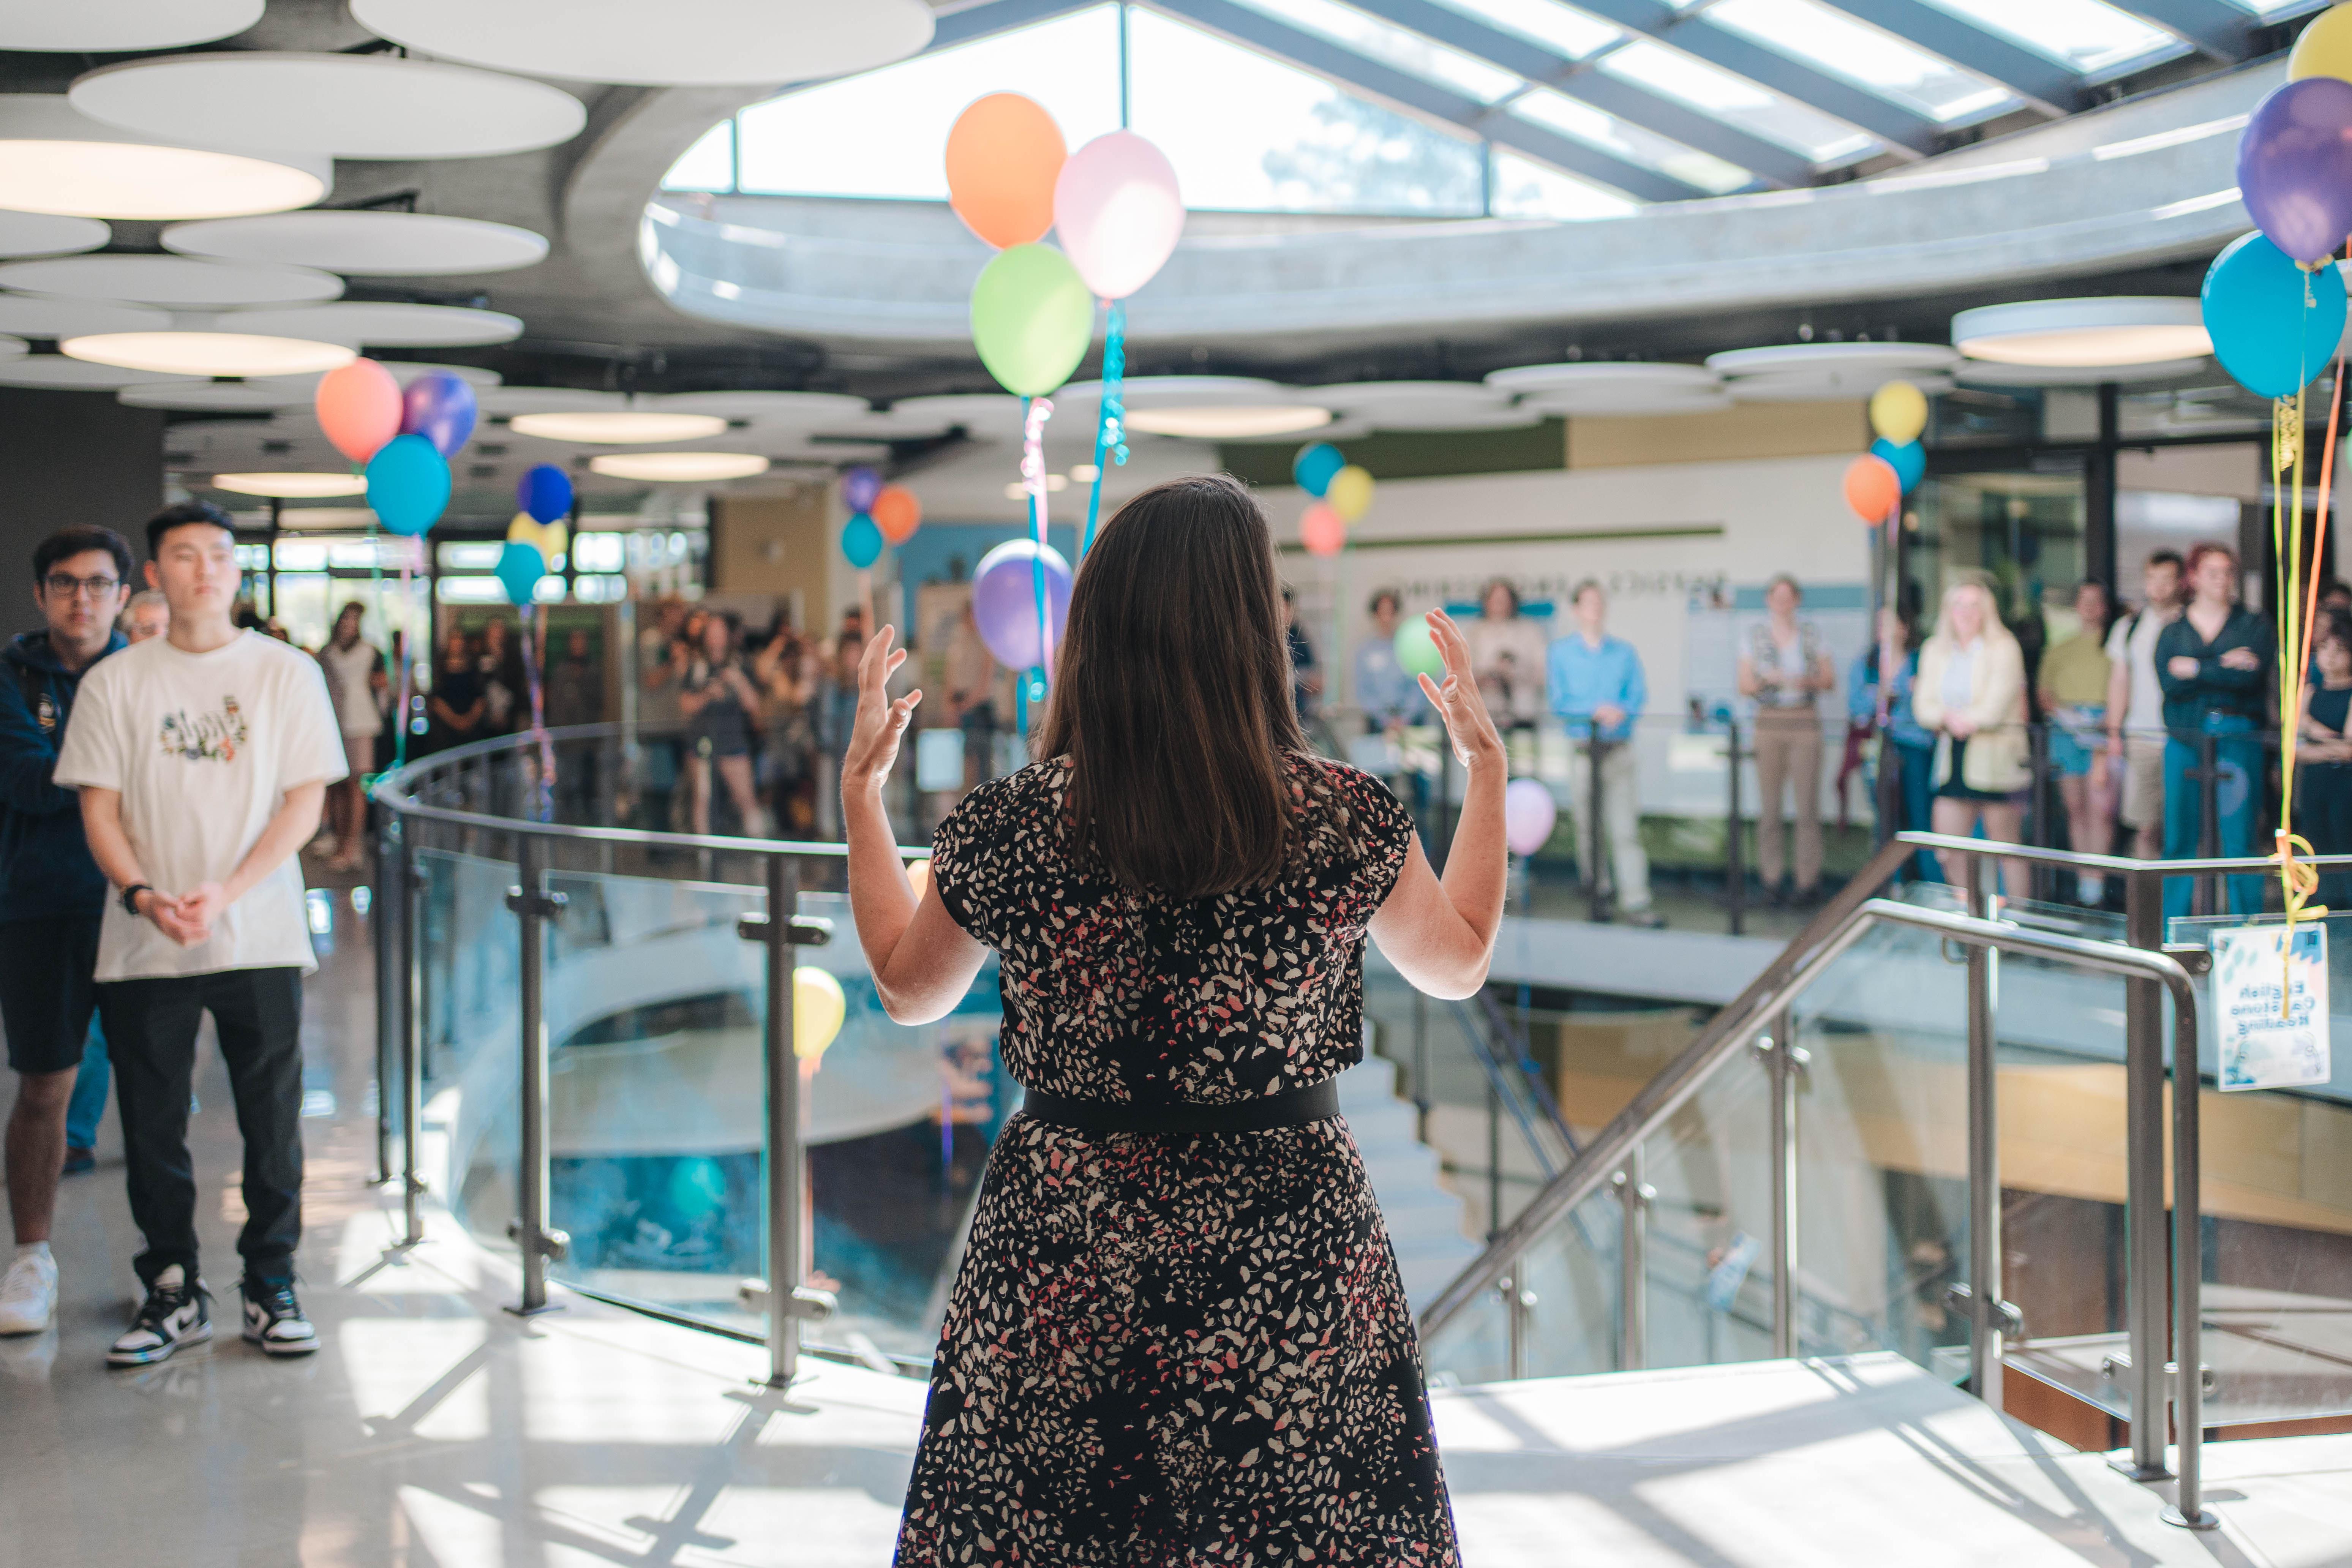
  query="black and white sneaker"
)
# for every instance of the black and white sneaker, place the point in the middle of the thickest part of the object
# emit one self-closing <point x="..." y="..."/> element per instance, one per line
<point x="175" y="1313"/>
<point x="274" y="1319"/>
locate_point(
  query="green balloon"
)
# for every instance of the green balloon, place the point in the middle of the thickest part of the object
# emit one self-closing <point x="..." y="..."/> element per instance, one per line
<point x="1417" y="650"/>
<point x="1032" y="319"/>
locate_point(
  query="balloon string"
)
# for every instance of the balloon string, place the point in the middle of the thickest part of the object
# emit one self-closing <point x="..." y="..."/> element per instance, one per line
<point x="544" y="792"/>
<point x="1110" y="430"/>
<point x="407" y="666"/>
<point x="1034" y="412"/>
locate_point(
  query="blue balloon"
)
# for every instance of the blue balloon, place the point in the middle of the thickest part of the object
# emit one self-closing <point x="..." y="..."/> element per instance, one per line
<point x="861" y="541"/>
<point x="1314" y="466"/>
<point x="2274" y="326"/>
<point x="440" y="407"/>
<point x="408" y="484"/>
<point x="1908" y="459"/>
<point x="519" y="568"/>
<point x="545" y="493"/>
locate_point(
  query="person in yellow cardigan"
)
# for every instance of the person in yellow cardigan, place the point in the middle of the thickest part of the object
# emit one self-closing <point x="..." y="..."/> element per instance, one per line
<point x="1970" y="695"/>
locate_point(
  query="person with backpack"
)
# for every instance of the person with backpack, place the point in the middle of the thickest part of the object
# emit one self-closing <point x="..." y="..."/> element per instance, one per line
<point x="52" y="896"/>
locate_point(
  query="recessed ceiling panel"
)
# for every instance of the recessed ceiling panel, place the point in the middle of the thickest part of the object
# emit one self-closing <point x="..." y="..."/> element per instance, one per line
<point x="1980" y="373"/>
<point x="1605" y="377"/>
<point x="1375" y="398"/>
<point x="679" y="42"/>
<point x="217" y="396"/>
<point x="795" y="410"/>
<point x="403" y="371"/>
<point x="174" y="280"/>
<point x="388" y="325"/>
<point x="45" y="234"/>
<point x="76" y="375"/>
<point x="1827" y="385"/>
<point x="35" y="317"/>
<point x="984" y="415"/>
<point x="348" y="106"/>
<point x="108" y="27"/>
<point x="504" y="401"/>
<point x="1888" y="359"/>
<point x="366" y="244"/>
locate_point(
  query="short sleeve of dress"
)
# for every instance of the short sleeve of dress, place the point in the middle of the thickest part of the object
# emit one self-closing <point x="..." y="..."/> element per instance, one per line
<point x="967" y="852"/>
<point x="1381" y="830"/>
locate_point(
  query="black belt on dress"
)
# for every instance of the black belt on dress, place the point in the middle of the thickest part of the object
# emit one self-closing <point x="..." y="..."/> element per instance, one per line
<point x="1292" y="1108"/>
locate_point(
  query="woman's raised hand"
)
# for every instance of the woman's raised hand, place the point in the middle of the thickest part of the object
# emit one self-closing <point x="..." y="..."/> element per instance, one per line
<point x="1475" y="739"/>
<point x="881" y="723"/>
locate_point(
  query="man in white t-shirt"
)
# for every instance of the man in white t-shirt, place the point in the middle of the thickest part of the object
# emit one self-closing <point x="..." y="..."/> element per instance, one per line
<point x="2136" y="703"/>
<point x="202" y="757"/>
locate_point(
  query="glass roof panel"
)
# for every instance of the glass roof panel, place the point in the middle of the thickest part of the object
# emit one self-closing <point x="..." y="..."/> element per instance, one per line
<point x="1570" y="32"/>
<point x="1249" y="133"/>
<point x="1670" y="73"/>
<point x="879" y="134"/>
<point x="1393" y="46"/>
<point x="1524" y="188"/>
<point x="1573" y="118"/>
<point x="2273" y="7"/>
<point x="1894" y="70"/>
<point x="709" y="165"/>
<point x="2089" y="35"/>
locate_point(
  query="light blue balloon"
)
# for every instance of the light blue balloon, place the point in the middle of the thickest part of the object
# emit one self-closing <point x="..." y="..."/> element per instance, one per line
<point x="2274" y="326"/>
<point x="1314" y="466"/>
<point x="1907" y="459"/>
<point x="861" y="541"/>
<point x="519" y="568"/>
<point x="408" y="484"/>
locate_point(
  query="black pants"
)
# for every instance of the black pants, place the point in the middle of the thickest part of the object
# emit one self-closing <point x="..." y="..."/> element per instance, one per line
<point x="151" y="1027"/>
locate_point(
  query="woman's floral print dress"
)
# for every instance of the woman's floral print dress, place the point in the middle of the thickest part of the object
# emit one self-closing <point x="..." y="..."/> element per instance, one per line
<point x="1163" y="1349"/>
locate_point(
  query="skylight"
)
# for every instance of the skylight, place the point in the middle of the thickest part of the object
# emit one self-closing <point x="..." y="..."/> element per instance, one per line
<point x="1580" y="121"/>
<point x="2089" y="35"/>
<point x="709" y="165"/>
<point x="1825" y="138"/>
<point x="1393" y="46"/>
<point x="1524" y="188"/>
<point x="1561" y="28"/>
<point x="1897" y="71"/>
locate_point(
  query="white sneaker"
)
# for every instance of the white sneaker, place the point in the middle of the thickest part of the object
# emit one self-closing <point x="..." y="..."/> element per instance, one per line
<point x="29" y="1294"/>
<point x="175" y="1313"/>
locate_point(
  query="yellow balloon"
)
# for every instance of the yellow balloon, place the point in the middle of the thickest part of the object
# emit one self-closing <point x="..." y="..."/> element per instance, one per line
<point x="1351" y="494"/>
<point x="2325" y="47"/>
<point x="550" y="539"/>
<point x="818" y="1008"/>
<point x="1898" y="411"/>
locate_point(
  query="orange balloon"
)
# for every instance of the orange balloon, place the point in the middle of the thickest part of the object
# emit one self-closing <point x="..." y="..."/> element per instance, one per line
<point x="897" y="513"/>
<point x="359" y="407"/>
<point x="1003" y="156"/>
<point x="1873" y="489"/>
<point x="1322" y="530"/>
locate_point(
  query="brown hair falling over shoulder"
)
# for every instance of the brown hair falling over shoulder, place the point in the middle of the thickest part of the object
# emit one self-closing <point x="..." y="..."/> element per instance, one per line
<point x="1171" y="695"/>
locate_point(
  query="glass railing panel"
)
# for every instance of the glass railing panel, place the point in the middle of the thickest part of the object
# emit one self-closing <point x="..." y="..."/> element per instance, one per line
<point x="2276" y="1206"/>
<point x="1708" y="1246"/>
<point x="1571" y="1276"/>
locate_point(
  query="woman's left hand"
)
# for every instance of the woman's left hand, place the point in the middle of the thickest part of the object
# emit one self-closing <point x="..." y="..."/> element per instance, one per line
<point x="881" y="723"/>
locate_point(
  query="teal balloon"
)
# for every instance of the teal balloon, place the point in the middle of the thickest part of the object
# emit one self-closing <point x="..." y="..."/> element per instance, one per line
<point x="861" y="541"/>
<point x="408" y="484"/>
<point x="519" y="568"/>
<point x="2269" y="332"/>
<point x="1907" y="459"/>
<point x="697" y="1187"/>
<point x="1318" y="463"/>
<point x="1416" y="650"/>
<point x="1032" y="319"/>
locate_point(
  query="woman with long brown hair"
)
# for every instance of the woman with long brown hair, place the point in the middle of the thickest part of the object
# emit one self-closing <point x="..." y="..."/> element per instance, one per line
<point x="1178" y="1335"/>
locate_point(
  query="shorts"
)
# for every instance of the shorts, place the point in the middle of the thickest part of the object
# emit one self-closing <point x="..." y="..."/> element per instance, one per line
<point x="2075" y="738"/>
<point x="46" y="994"/>
<point x="359" y="751"/>
<point x="1953" y="789"/>
<point x="2143" y="795"/>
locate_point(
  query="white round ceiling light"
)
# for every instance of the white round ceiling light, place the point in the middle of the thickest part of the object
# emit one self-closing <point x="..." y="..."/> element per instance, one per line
<point x="677" y="44"/>
<point x="45" y="234"/>
<point x="678" y="467"/>
<point x="55" y="160"/>
<point x="2125" y="329"/>
<point x="1886" y="361"/>
<point x="72" y="375"/>
<point x="172" y="281"/>
<point x="363" y="244"/>
<point x="32" y="316"/>
<point x="215" y="396"/>
<point x="291" y="486"/>
<point x="389" y="325"/>
<point x="112" y="26"/>
<point x="617" y="426"/>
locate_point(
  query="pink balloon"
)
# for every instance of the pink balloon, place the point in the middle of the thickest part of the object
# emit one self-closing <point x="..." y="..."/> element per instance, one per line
<point x="1118" y="212"/>
<point x="1529" y="814"/>
<point x="1322" y="530"/>
<point x="359" y="407"/>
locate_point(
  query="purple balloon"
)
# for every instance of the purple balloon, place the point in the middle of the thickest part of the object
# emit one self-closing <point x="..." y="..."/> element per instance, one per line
<point x="1004" y="601"/>
<point x="859" y="486"/>
<point x="2294" y="166"/>
<point x="440" y="407"/>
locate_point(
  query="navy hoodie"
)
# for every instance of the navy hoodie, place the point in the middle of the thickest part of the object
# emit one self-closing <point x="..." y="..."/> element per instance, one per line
<point x="46" y="869"/>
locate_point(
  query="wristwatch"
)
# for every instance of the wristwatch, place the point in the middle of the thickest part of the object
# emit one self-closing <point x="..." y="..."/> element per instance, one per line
<point x="131" y="897"/>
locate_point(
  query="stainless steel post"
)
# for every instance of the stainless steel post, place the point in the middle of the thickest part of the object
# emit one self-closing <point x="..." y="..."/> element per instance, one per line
<point x="2145" y="1251"/>
<point x="388" y="931"/>
<point x="1984" y="1164"/>
<point x="1515" y="1318"/>
<point x="533" y="906"/>
<point x="410" y="872"/>
<point x="1633" y="1195"/>
<point x="1598" y="897"/>
<point x="2187" y="1293"/>
<point x="1781" y="1061"/>
<point x="1735" y="863"/>
<point x="785" y="1162"/>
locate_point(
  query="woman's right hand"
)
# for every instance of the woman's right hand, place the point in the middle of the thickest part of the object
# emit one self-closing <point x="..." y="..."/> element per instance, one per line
<point x="881" y="723"/>
<point x="1459" y="701"/>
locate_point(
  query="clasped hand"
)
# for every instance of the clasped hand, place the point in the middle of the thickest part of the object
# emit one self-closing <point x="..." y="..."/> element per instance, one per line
<point x="187" y="918"/>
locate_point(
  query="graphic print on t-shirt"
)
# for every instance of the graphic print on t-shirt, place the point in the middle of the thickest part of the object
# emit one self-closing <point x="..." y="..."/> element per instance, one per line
<point x="205" y="737"/>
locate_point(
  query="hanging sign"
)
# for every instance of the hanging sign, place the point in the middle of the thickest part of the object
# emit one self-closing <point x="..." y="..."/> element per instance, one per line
<point x="2270" y="1039"/>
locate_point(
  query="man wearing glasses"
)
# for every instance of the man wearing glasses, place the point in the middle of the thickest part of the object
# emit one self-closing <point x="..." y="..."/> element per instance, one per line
<point x="52" y="895"/>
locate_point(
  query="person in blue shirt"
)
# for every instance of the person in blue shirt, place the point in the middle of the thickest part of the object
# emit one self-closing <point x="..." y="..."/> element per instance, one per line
<point x="1909" y="750"/>
<point x="1388" y="695"/>
<point x="52" y="895"/>
<point x="1596" y="689"/>
<point x="2216" y="666"/>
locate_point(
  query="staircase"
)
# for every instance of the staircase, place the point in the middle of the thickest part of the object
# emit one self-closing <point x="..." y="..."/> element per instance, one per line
<point x="1426" y="1223"/>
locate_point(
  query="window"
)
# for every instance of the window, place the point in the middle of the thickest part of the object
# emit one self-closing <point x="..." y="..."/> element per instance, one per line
<point x="709" y="165"/>
<point x="2089" y="35"/>
<point x="1393" y="46"/>
<point x="1571" y="32"/>
<point x="1573" y="117"/>
<point x="1524" y="188"/>
<point x="1736" y="100"/>
<point x="1812" y="32"/>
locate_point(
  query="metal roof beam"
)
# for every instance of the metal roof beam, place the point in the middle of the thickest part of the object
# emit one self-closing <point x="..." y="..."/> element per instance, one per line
<point x="2219" y="29"/>
<point x="1904" y="131"/>
<point x="2047" y="85"/>
<point x="1343" y="65"/>
<point x="1768" y="159"/>
<point x="979" y="20"/>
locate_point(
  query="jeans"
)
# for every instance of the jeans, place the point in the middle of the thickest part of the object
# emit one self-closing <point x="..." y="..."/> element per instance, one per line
<point x="2238" y="759"/>
<point x="1914" y="773"/>
<point x="151" y="1025"/>
<point x="87" y="1106"/>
